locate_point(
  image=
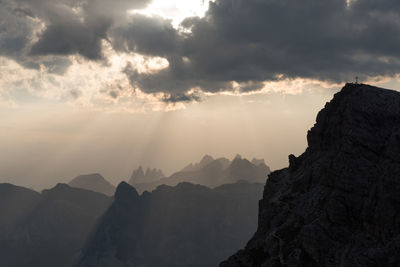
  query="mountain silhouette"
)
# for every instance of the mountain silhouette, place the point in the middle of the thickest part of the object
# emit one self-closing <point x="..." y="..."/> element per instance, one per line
<point x="212" y="172"/>
<point x="49" y="229"/>
<point x="338" y="203"/>
<point x="94" y="182"/>
<point x="15" y="202"/>
<point x="184" y="225"/>
<point x="151" y="175"/>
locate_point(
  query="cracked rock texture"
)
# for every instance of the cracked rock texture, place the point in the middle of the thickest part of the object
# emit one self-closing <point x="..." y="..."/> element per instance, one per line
<point x="338" y="204"/>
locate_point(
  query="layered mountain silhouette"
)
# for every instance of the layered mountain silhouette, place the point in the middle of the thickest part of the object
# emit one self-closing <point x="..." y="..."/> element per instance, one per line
<point x="338" y="203"/>
<point x="151" y="175"/>
<point x="185" y="225"/>
<point x="209" y="172"/>
<point x="94" y="182"/>
<point x="15" y="203"/>
<point x="47" y="229"/>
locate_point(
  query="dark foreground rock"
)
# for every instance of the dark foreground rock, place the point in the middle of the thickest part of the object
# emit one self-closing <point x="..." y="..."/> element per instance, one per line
<point x="338" y="204"/>
<point x="185" y="225"/>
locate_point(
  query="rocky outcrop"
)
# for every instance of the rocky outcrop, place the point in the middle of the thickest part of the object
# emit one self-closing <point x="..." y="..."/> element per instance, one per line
<point x="337" y="204"/>
<point x="94" y="182"/>
<point x="186" y="225"/>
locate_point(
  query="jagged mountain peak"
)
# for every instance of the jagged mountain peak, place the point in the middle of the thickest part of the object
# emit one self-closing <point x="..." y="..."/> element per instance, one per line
<point x="356" y="113"/>
<point x="147" y="176"/>
<point x="337" y="203"/>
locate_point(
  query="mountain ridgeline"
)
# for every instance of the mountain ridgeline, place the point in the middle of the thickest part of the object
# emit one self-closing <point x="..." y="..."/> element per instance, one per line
<point x="185" y="225"/>
<point x="47" y="229"/>
<point x="209" y="172"/>
<point x="94" y="182"/>
<point x="338" y="203"/>
<point x="171" y="226"/>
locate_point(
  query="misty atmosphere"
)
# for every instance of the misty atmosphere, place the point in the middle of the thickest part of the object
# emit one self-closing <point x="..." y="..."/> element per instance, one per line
<point x="199" y="133"/>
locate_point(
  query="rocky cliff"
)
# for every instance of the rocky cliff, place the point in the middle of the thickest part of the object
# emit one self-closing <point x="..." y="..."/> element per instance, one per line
<point x="337" y="204"/>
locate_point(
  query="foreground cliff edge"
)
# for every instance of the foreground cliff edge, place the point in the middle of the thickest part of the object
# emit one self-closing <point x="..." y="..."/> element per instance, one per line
<point x="338" y="204"/>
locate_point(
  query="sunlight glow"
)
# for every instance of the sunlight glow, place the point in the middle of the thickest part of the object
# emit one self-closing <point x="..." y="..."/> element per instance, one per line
<point x="175" y="10"/>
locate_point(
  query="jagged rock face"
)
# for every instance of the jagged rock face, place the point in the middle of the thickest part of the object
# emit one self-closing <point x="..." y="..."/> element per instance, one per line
<point x="94" y="182"/>
<point x="186" y="225"/>
<point x="338" y="203"/>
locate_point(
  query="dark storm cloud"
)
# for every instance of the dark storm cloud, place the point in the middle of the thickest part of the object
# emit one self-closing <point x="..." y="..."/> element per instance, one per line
<point x="17" y="27"/>
<point x="71" y="26"/>
<point x="243" y="41"/>
<point x="72" y="37"/>
<point x="147" y="35"/>
<point x="78" y="26"/>
<point x="15" y="30"/>
<point x="256" y="40"/>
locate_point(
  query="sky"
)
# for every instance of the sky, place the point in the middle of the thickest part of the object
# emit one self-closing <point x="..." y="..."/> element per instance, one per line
<point x="105" y="86"/>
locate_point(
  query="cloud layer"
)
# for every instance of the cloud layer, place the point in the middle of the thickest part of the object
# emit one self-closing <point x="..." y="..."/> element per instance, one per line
<point x="236" y="42"/>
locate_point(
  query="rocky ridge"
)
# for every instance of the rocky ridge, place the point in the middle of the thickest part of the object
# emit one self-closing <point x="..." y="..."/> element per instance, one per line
<point x="337" y="204"/>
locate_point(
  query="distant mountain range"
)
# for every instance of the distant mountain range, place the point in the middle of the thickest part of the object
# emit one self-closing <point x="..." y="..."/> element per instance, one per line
<point x="94" y="182"/>
<point x="209" y="172"/>
<point x="47" y="229"/>
<point x="337" y="204"/>
<point x="186" y="225"/>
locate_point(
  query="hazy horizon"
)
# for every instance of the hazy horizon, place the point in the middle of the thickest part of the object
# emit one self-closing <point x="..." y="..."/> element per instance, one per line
<point x="87" y="86"/>
<point x="56" y="147"/>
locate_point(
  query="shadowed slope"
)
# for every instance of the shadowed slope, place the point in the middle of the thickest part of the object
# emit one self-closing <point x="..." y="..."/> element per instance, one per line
<point x="186" y="225"/>
<point x="52" y="231"/>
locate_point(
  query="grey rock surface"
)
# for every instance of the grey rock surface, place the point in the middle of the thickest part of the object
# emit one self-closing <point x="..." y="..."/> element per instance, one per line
<point x="337" y="204"/>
